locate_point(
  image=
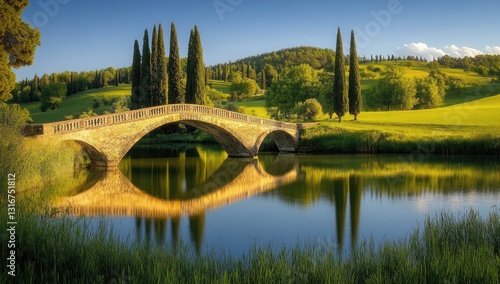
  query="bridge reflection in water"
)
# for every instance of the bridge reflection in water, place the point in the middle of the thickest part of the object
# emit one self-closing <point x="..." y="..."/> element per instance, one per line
<point x="110" y="193"/>
<point x="299" y="197"/>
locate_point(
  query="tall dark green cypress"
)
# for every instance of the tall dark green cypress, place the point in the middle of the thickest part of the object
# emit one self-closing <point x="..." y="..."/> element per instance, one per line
<point x="146" y="72"/>
<point x="136" y="77"/>
<point x="175" y="95"/>
<point x="154" y="66"/>
<point x="195" y="84"/>
<point x="161" y="98"/>
<point x="355" y="99"/>
<point x="340" y="96"/>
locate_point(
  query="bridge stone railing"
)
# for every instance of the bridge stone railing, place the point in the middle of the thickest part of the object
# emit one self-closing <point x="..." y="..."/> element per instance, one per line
<point x="145" y="113"/>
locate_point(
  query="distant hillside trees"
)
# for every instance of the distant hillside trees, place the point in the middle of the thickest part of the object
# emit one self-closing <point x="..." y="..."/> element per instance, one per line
<point x="484" y="65"/>
<point x="257" y="67"/>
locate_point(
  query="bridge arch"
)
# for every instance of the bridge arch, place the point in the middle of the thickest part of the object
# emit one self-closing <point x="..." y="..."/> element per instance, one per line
<point x="284" y="140"/>
<point x="231" y="144"/>
<point x="97" y="158"/>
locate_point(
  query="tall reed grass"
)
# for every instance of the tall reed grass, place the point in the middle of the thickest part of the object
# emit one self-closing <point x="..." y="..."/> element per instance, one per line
<point x="447" y="249"/>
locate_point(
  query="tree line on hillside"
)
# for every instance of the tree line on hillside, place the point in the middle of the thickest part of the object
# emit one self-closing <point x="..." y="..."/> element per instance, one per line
<point x="32" y="90"/>
<point x="484" y="65"/>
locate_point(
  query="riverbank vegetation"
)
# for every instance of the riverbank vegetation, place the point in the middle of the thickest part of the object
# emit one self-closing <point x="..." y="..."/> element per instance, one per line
<point x="35" y="163"/>
<point x="447" y="248"/>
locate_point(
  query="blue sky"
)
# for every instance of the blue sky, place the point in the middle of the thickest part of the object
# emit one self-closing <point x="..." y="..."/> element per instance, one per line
<point x="82" y="35"/>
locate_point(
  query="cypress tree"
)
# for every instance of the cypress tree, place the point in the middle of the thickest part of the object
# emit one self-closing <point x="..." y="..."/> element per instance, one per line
<point x="263" y="80"/>
<point x="340" y="96"/>
<point x="154" y="66"/>
<point x="146" y="100"/>
<point x="161" y="73"/>
<point x="175" y="96"/>
<point x="136" y="77"/>
<point x="195" y="85"/>
<point x="355" y="100"/>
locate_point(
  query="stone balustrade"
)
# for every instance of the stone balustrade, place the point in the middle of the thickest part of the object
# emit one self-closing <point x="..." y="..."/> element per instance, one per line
<point x="141" y="114"/>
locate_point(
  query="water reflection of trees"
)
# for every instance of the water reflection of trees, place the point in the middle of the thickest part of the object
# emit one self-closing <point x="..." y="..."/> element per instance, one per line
<point x="342" y="180"/>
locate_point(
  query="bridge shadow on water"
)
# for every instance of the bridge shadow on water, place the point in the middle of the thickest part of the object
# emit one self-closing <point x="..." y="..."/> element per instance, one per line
<point x="110" y="193"/>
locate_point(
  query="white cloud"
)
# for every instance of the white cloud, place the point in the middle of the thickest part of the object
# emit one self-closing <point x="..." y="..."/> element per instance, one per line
<point x="493" y="49"/>
<point x="455" y="51"/>
<point x="421" y="49"/>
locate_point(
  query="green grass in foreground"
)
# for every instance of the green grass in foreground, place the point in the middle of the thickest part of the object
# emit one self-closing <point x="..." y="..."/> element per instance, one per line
<point x="449" y="249"/>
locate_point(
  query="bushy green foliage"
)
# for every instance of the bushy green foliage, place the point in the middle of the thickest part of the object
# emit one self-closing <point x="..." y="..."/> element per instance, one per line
<point x="309" y="109"/>
<point x="18" y="41"/>
<point x="52" y="95"/>
<point x="393" y="92"/>
<point x="295" y="84"/>
<point x="242" y="88"/>
<point x="35" y="161"/>
<point x="428" y="93"/>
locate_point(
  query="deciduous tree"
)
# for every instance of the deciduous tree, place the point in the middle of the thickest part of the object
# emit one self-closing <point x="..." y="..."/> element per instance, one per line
<point x="52" y="95"/>
<point x="18" y="42"/>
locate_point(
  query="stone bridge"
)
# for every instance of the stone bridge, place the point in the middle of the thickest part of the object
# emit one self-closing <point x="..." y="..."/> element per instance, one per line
<point x="107" y="138"/>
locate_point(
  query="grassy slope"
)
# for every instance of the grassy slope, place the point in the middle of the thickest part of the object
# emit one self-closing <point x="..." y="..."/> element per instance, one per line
<point x="76" y="104"/>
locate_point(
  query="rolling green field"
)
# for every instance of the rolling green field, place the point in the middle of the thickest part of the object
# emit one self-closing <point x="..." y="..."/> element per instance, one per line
<point x="76" y="104"/>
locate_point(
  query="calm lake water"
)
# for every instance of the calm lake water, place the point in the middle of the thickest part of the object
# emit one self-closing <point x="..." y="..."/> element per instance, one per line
<point x="198" y="196"/>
